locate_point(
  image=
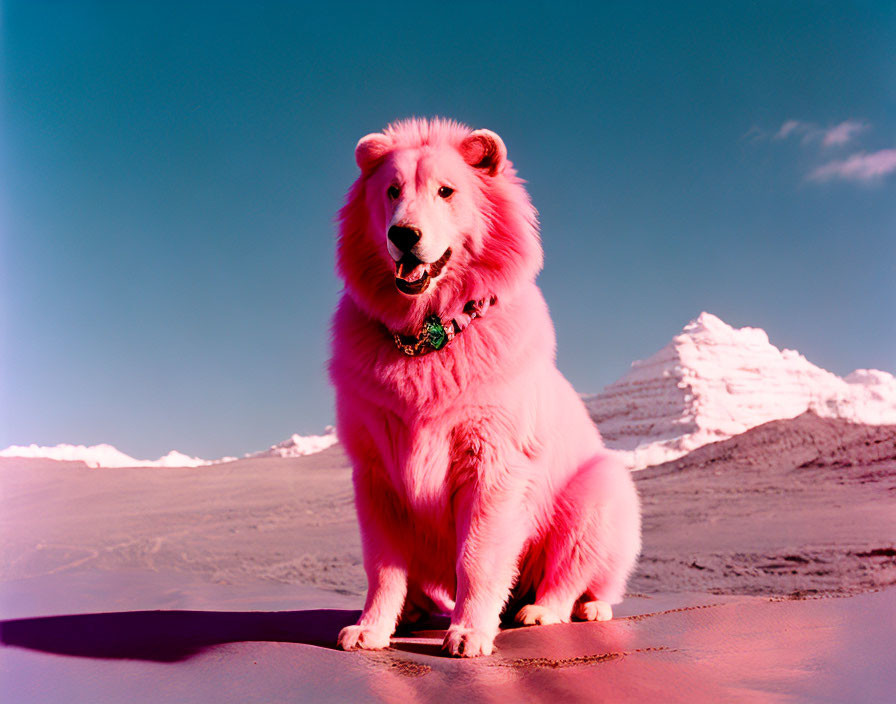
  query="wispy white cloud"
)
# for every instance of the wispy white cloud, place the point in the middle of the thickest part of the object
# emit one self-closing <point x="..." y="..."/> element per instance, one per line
<point x="843" y="133"/>
<point x="809" y="132"/>
<point x="858" y="167"/>
<point x="754" y="134"/>
<point x="791" y="127"/>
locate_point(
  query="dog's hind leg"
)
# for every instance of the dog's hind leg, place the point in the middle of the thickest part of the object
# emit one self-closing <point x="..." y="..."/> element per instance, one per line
<point x="587" y="609"/>
<point x="590" y="548"/>
<point x="424" y="601"/>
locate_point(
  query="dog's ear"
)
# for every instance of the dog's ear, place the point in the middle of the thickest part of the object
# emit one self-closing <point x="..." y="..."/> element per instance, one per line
<point x="370" y="150"/>
<point x="483" y="149"/>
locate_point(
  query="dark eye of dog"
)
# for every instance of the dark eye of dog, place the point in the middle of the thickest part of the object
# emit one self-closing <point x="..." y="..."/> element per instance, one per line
<point x="394" y="192"/>
<point x="445" y="192"/>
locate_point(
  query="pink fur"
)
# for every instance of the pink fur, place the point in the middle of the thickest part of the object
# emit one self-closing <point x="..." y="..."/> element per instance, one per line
<point x="478" y="473"/>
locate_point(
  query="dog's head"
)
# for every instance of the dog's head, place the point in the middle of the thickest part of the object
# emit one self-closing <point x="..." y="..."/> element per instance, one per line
<point x="437" y="218"/>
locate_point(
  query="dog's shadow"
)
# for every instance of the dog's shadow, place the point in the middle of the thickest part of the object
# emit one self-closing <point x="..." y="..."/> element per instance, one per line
<point x="170" y="636"/>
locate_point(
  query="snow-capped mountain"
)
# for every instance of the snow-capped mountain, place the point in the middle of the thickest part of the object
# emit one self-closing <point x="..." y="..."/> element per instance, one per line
<point x="712" y="382"/>
<point x="100" y="456"/>
<point x="299" y="445"/>
<point x="110" y="456"/>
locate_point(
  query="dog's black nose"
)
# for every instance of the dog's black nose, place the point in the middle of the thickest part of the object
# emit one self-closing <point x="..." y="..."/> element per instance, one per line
<point x="404" y="237"/>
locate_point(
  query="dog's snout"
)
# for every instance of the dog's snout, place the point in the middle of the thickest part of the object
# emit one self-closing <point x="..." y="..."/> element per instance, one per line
<point x="404" y="237"/>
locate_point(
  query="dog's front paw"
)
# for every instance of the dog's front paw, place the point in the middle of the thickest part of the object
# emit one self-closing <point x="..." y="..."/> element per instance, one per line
<point x="362" y="638"/>
<point x="468" y="642"/>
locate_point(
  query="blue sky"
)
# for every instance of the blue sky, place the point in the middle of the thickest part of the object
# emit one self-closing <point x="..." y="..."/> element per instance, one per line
<point x="169" y="174"/>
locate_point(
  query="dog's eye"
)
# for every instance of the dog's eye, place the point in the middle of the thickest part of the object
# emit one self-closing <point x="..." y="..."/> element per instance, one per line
<point x="393" y="192"/>
<point x="445" y="192"/>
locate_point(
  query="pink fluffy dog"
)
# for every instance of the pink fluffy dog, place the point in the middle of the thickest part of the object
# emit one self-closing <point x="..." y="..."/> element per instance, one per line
<point x="478" y="474"/>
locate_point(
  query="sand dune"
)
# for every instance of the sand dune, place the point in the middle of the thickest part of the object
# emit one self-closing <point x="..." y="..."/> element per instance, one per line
<point x="282" y="520"/>
<point x="801" y="506"/>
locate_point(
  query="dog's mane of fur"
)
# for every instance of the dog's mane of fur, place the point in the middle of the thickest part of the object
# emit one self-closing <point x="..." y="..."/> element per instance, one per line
<point x="510" y="255"/>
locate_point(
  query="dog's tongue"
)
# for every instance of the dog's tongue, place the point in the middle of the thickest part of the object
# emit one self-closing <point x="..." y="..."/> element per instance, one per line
<point x="410" y="268"/>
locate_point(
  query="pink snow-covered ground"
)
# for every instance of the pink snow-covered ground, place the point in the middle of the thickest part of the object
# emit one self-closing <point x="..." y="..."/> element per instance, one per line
<point x="766" y="577"/>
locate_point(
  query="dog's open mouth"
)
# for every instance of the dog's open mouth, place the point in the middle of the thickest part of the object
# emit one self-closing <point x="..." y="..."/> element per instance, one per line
<point x="412" y="276"/>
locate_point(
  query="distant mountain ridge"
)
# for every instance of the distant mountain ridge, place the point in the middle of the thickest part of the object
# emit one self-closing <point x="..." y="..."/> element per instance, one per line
<point x="713" y="382"/>
<point x="104" y="455"/>
<point x="300" y="445"/>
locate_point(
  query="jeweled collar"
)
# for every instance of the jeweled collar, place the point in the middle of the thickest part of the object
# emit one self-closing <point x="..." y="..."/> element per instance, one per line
<point x="435" y="334"/>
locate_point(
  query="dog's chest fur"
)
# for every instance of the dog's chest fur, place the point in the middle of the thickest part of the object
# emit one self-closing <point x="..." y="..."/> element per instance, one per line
<point x="438" y="421"/>
<point x="429" y="464"/>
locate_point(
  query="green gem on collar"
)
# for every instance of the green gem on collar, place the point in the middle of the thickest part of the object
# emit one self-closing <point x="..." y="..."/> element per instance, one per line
<point x="434" y="332"/>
